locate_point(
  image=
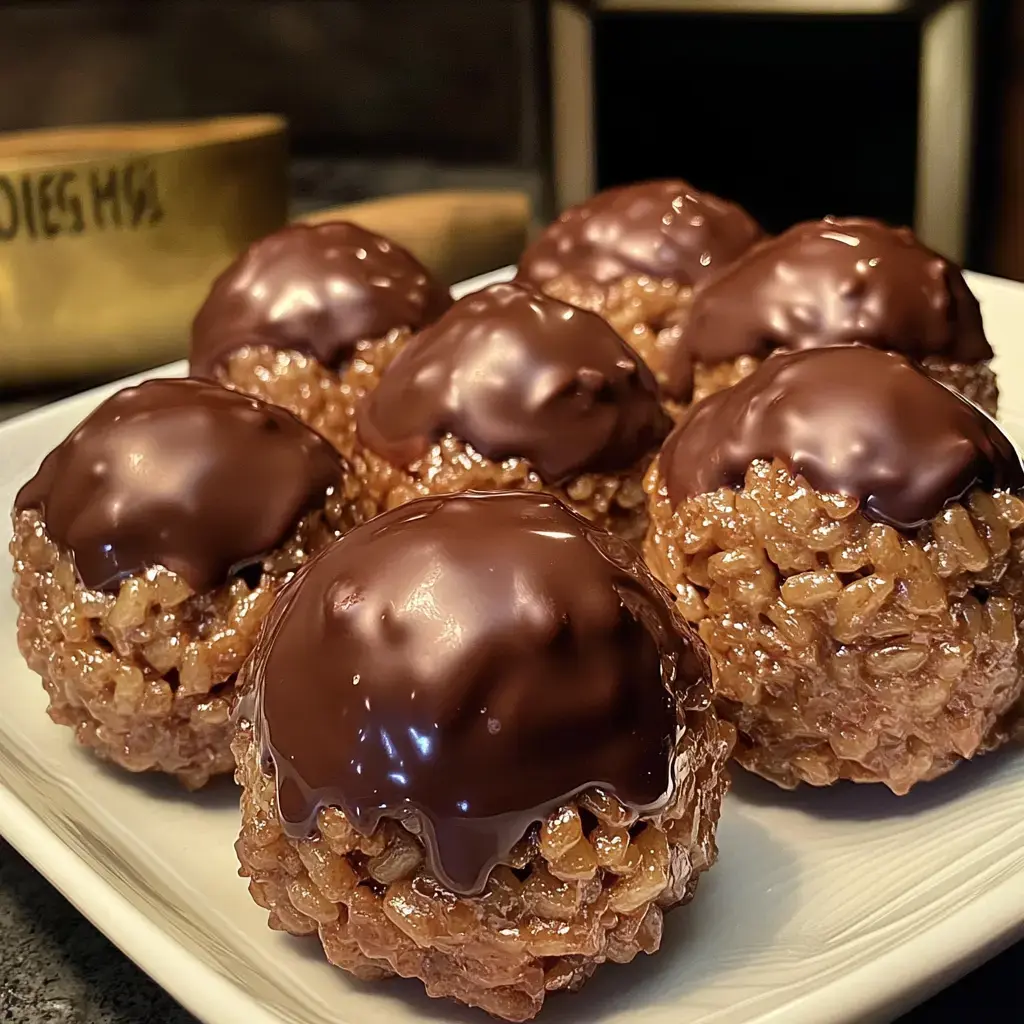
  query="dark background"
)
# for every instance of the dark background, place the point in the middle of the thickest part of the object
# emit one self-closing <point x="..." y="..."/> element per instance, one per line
<point x="793" y="118"/>
<point x="798" y="116"/>
<point x="383" y="96"/>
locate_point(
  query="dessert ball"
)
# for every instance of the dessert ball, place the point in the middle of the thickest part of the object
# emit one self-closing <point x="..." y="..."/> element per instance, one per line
<point x="511" y="389"/>
<point x="831" y="282"/>
<point x="147" y="550"/>
<point x="477" y="748"/>
<point x="633" y="254"/>
<point x="304" y="316"/>
<point x="848" y="536"/>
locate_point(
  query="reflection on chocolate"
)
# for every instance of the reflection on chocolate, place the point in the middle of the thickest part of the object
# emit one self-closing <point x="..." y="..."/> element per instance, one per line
<point x="831" y="282"/>
<point x="665" y="229"/>
<point x="517" y="374"/>
<point x="314" y="289"/>
<point x="850" y="420"/>
<point x="183" y="474"/>
<point x="466" y="664"/>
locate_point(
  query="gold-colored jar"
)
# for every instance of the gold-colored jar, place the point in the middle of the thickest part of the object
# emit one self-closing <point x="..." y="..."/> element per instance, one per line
<point x="111" y="235"/>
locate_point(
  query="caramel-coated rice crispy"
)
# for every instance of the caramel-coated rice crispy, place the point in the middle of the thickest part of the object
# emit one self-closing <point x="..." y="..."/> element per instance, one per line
<point x="614" y="502"/>
<point x="145" y="677"/>
<point x="844" y="649"/>
<point x="322" y="398"/>
<point x="642" y="309"/>
<point x="589" y="885"/>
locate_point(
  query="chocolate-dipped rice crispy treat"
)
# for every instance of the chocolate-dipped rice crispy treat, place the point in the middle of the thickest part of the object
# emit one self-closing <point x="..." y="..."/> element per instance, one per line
<point x="848" y="536"/>
<point x="633" y="254"/>
<point x="147" y="550"/>
<point x="829" y="282"/>
<point x="511" y="389"/>
<point x="305" y="315"/>
<point x="481" y="752"/>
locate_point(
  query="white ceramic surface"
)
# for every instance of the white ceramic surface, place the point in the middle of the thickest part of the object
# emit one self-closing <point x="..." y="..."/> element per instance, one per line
<point x="829" y="906"/>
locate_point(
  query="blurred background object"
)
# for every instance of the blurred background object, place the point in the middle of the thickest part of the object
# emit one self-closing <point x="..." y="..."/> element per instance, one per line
<point x="109" y="236"/>
<point x="382" y="96"/>
<point x="904" y="109"/>
<point x="795" y="108"/>
<point x="383" y="99"/>
<point x="457" y="234"/>
<point x="910" y="110"/>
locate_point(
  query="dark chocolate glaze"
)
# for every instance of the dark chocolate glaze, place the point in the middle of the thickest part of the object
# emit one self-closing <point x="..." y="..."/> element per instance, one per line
<point x="465" y="665"/>
<point x="850" y="420"/>
<point x="665" y="229"/>
<point x="829" y="282"/>
<point x="317" y="290"/>
<point x="517" y="374"/>
<point x="180" y="474"/>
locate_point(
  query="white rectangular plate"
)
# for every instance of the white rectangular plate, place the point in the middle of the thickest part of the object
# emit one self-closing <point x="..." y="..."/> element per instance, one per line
<point x="840" y="905"/>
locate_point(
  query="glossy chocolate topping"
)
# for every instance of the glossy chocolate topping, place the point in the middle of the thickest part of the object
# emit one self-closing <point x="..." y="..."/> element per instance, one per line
<point x="665" y="229"/>
<point x="183" y="474"/>
<point x="466" y="664"/>
<point x="517" y="374"/>
<point x="850" y="420"/>
<point x="831" y="282"/>
<point x="314" y="289"/>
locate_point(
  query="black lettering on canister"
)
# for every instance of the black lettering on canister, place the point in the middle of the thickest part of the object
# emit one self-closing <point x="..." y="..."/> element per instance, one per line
<point x="106" y="199"/>
<point x="10" y="216"/>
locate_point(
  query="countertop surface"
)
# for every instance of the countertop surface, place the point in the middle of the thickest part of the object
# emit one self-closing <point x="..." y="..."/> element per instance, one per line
<point x="55" y="968"/>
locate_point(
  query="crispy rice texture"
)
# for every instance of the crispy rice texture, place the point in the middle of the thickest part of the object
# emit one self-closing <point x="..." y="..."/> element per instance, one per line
<point x="322" y="398"/>
<point x="589" y="885"/>
<point x="145" y="677"/>
<point x="614" y="502"/>
<point x="844" y="649"/>
<point x="327" y="401"/>
<point x="643" y="310"/>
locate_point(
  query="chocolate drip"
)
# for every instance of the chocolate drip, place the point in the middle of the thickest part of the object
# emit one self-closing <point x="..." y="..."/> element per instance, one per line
<point x="850" y="420"/>
<point x="314" y="289"/>
<point x="517" y="374"/>
<point x="665" y="229"/>
<point x="465" y="665"/>
<point x="180" y="474"/>
<point x="830" y="282"/>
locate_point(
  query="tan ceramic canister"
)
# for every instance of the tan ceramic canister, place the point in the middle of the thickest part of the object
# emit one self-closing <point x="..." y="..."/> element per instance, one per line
<point x="111" y="235"/>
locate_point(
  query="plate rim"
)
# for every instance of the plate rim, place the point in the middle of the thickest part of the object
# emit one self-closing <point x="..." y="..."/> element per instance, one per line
<point x="878" y="989"/>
